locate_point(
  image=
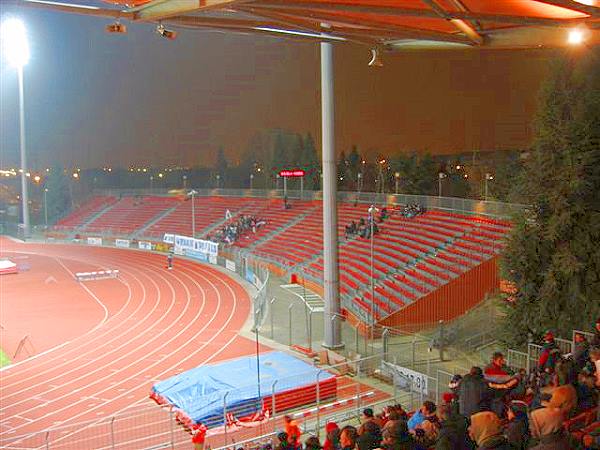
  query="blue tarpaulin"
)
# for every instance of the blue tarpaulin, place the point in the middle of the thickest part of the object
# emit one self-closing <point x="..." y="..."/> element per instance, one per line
<point x="201" y="392"/>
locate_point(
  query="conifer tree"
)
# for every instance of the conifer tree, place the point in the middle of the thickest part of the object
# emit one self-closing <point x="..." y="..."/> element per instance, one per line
<point x="553" y="252"/>
<point x="58" y="197"/>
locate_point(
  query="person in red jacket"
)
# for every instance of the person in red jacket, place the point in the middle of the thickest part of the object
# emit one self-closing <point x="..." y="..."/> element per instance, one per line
<point x="550" y="352"/>
<point x="293" y="431"/>
<point x="332" y="438"/>
<point x="497" y="371"/>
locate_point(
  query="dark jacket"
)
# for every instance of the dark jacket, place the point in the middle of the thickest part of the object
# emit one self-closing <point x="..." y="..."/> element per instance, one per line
<point x="368" y="441"/>
<point x="370" y="437"/>
<point x="581" y="353"/>
<point x="555" y="441"/>
<point x="495" y="443"/>
<point x="517" y="433"/>
<point x="404" y="443"/>
<point x="595" y="342"/>
<point x="473" y="395"/>
<point x="453" y="434"/>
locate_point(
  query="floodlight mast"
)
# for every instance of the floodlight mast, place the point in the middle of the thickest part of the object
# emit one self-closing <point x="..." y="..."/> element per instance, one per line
<point x="16" y="50"/>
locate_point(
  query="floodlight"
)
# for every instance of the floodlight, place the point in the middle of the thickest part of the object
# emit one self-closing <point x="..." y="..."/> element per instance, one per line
<point x="575" y="36"/>
<point x="14" y="42"/>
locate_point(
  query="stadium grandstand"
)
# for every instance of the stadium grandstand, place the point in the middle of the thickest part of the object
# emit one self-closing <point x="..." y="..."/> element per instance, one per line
<point x="413" y="257"/>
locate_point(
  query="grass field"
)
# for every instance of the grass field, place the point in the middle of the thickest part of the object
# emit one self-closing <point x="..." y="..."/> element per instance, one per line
<point x="4" y="360"/>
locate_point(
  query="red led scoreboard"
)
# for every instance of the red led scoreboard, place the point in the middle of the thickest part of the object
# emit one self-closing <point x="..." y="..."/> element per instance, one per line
<point x="294" y="173"/>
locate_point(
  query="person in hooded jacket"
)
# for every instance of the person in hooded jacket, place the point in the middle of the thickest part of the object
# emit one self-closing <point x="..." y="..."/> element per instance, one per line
<point x="517" y="428"/>
<point x="453" y="434"/>
<point x="547" y="426"/>
<point x="486" y="431"/>
<point x="473" y="393"/>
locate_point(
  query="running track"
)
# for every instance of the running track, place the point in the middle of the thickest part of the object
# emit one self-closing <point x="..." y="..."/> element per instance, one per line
<point x="148" y="325"/>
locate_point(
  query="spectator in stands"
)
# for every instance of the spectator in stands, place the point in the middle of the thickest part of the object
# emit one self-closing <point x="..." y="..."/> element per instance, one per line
<point x="550" y="352"/>
<point x="312" y="443"/>
<point x="453" y="433"/>
<point x="332" y="438"/>
<point x="415" y="420"/>
<point x="486" y="431"/>
<point x="517" y="429"/>
<point x="588" y="443"/>
<point x="368" y="417"/>
<point x="563" y="398"/>
<point x="284" y="442"/>
<point x="595" y="368"/>
<point x="430" y="426"/>
<point x="587" y="396"/>
<point x="581" y="351"/>
<point x="348" y="437"/>
<point x="596" y="339"/>
<point x="473" y="394"/>
<point x="293" y="431"/>
<point x="547" y="428"/>
<point x="398" y="438"/>
<point x="497" y="371"/>
<point x="370" y="437"/>
<point x="392" y="417"/>
<point x="500" y="380"/>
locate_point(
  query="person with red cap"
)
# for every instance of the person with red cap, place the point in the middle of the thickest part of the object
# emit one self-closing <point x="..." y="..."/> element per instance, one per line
<point x="332" y="437"/>
<point x="550" y="352"/>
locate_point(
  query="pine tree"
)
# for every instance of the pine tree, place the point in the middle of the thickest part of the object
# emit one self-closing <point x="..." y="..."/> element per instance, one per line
<point x="312" y="164"/>
<point x="58" y="197"/>
<point x="552" y="254"/>
<point x="221" y="166"/>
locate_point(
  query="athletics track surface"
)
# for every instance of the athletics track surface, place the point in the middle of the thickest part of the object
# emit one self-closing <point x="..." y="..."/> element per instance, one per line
<point x="102" y="344"/>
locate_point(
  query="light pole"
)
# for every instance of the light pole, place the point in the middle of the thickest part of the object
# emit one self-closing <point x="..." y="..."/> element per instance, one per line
<point x="16" y="49"/>
<point x="380" y="176"/>
<point x="251" y="181"/>
<point x="397" y="177"/>
<point x="488" y="177"/>
<point x="192" y="194"/>
<point x="441" y="176"/>
<point x="46" y="207"/>
<point x="372" y="211"/>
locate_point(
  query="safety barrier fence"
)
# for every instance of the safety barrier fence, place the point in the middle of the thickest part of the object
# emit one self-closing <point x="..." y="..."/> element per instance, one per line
<point x="335" y="393"/>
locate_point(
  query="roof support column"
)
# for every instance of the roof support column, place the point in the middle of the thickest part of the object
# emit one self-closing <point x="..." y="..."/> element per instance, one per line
<point x="331" y="320"/>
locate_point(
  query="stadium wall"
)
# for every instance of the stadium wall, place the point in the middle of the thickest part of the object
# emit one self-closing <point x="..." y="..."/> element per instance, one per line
<point x="451" y="300"/>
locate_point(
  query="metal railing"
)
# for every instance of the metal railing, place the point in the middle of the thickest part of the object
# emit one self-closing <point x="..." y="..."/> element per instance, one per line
<point x="465" y="205"/>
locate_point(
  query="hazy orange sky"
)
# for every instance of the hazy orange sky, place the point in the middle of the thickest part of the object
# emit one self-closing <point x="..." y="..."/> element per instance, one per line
<point x="95" y="99"/>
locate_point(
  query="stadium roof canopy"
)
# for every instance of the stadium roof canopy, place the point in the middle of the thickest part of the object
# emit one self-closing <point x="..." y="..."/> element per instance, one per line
<point x="389" y="24"/>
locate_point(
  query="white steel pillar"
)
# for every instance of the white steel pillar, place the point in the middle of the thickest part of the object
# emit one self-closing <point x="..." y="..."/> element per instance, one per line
<point x="332" y="324"/>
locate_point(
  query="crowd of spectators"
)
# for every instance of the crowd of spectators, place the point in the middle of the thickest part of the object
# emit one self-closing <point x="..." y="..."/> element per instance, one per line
<point x="412" y="210"/>
<point x="232" y="231"/>
<point x="363" y="227"/>
<point x="494" y="408"/>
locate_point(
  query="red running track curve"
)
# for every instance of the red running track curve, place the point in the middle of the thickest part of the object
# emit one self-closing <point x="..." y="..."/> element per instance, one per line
<point x="118" y="336"/>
